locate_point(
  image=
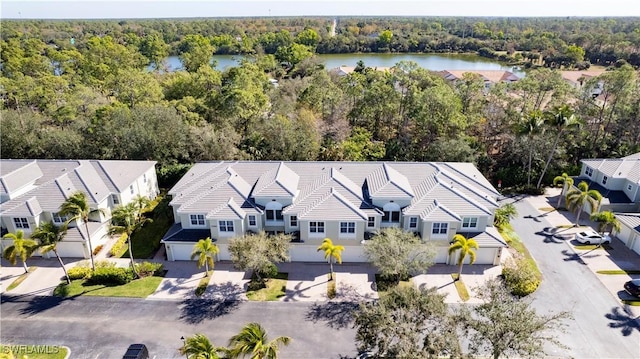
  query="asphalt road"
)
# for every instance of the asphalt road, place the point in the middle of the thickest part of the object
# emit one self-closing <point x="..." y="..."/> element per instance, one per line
<point x="601" y="328"/>
<point x="95" y="327"/>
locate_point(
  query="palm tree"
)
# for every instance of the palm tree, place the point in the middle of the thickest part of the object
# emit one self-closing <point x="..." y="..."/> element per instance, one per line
<point x="606" y="219"/>
<point x="532" y="126"/>
<point x="21" y="248"/>
<point x="578" y="197"/>
<point x="205" y="250"/>
<point x="76" y="207"/>
<point x="561" y="118"/>
<point x="49" y="236"/>
<point x="331" y="252"/>
<point x="566" y="182"/>
<point x="504" y="215"/>
<point x="126" y="220"/>
<point x="466" y="248"/>
<point x="200" y="347"/>
<point x="252" y="340"/>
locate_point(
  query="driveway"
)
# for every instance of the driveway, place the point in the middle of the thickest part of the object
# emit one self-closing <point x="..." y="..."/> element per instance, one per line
<point x="601" y="327"/>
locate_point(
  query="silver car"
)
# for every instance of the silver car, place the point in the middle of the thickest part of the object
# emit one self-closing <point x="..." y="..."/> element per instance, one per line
<point x="590" y="236"/>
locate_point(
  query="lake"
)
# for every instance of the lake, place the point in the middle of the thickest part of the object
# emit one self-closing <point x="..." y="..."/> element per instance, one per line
<point x="435" y="62"/>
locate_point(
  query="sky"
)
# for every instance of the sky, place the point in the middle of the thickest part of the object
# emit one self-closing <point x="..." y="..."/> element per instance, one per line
<point x="118" y="9"/>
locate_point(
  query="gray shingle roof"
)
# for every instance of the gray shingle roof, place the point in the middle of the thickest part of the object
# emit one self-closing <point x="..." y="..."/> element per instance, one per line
<point x="14" y="174"/>
<point x="335" y="189"/>
<point x="56" y="180"/>
<point x="488" y="239"/>
<point x="626" y="167"/>
<point x="631" y="220"/>
<point x="278" y="182"/>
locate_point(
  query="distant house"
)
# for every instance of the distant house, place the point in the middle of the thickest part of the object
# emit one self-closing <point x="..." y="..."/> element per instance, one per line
<point x="31" y="192"/>
<point x="578" y="79"/>
<point x="490" y="77"/>
<point x="345" y="70"/>
<point x="346" y="201"/>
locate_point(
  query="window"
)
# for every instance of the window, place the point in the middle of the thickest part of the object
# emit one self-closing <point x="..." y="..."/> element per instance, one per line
<point x="470" y="222"/>
<point x="371" y="222"/>
<point x="114" y="199"/>
<point x="197" y="219"/>
<point x="144" y="177"/>
<point x="21" y="223"/>
<point x="589" y="171"/>
<point x="413" y="222"/>
<point x="131" y="189"/>
<point x="252" y="220"/>
<point x="316" y="227"/>
<point x="391" y="216"/>
<point x="604" y="179"/>
<point x="57" y="218"/>
<point x="293" y="222"/>
<point x="226" y="226"/>
<point x="348" y="227"/>
<point x="274" y="214"/>
<point x="629" y="187"/>
<point x="439" y="228"/>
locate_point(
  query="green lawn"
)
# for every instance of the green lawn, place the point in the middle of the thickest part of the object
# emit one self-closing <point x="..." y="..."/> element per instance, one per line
<point x="618" y="271"/>
<point x="146" y="240"/>
<point x="460" y="287"/>
<point x="274" y="290"/>
<point x="383" y="285"/>
<point x="31" y="351"/>
<point x="139" y="288"/>
<point x="204" y="283"/>
<point x="514" y="242"/>
<point x="21" y="278"/>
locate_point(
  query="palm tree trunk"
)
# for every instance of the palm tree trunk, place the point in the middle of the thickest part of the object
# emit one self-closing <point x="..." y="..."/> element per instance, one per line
<point x="24" y="265"/>
<point x="564" y="186"/>
<point x="580" y="209"/>
<point x="133" y="264"/>
<point x="546" y="165"/>
<point x="66" y="275"/>
<point x="460" y="269"/>
<point x="86" y="226"/>
<point x="331" y="268"/>
<point x="206" y="268"/>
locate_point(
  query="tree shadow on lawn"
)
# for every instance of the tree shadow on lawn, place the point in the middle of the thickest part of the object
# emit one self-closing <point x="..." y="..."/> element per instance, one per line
<point x="337" y="315"/>
<point x="624" y="320"/>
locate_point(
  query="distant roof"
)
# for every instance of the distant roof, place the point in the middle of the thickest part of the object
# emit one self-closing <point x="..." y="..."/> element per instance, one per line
<point x="345" y="70"/>
<point x="493" y="76"/>
<point x="53" y="181"/>
<point x="575" y="76"/>
<point x="336" y="190"/>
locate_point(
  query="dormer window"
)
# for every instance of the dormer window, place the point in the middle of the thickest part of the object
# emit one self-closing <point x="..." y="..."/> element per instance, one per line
<point x="391" y="213"/>
<point x="589" y="171"/>
<point x="57" y="218"/>
<point x="604" y="179"/>
<point x="274" y="211"/>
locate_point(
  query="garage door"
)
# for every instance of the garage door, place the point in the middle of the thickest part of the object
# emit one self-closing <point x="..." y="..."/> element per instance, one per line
<point x="179" y="251"/>
<point x="485" y="255"/>
<point x="353" y="254"/>
<point x="72" y="250"/>
<point x="442" y="254"/>
<point x="636" y="244"/>
<point x="224" y="254"/>
<point x="303" y="253"/>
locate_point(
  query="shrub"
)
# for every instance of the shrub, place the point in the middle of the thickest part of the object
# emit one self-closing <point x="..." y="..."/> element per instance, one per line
<point x="269" y="271"/>
<point x="119" y="247"/>
<point x="79" y="272"/>
<point x="97" y="249"/>
<point x="111" y="276"/>
<point x="147" y="269"/>
<point x="520" y="277"/>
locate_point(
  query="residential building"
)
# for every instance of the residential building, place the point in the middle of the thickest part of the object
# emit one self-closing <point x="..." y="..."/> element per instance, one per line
<point x="578" y="79"/>
<point x="346" y="201"/>
<point x="32" y="191"/>
<point x="490" y="77"/>
<point x="629" y="232"/>
<point x="617" y="179"/>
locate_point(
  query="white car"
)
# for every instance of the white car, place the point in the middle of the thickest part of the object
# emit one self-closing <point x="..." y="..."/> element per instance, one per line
<point x="590" y="236"/>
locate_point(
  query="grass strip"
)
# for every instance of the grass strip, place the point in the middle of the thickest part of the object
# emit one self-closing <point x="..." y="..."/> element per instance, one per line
<point x="32" y="351"/>
<point x="460" y="287"/>
<point x="273" y="288"/>
<point x="204" y="283"/>
<point x="146" y="240"/>
<point x="619" y="271"/>
<point x="384" y="284"/>
<point x="331" y="285"/>
<point x="590" y="247"/>
<point x="139" y="288"/>
<point x="21" y="278"/>
<point x="512" y="238"/>
<point x="634" y="303"/>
